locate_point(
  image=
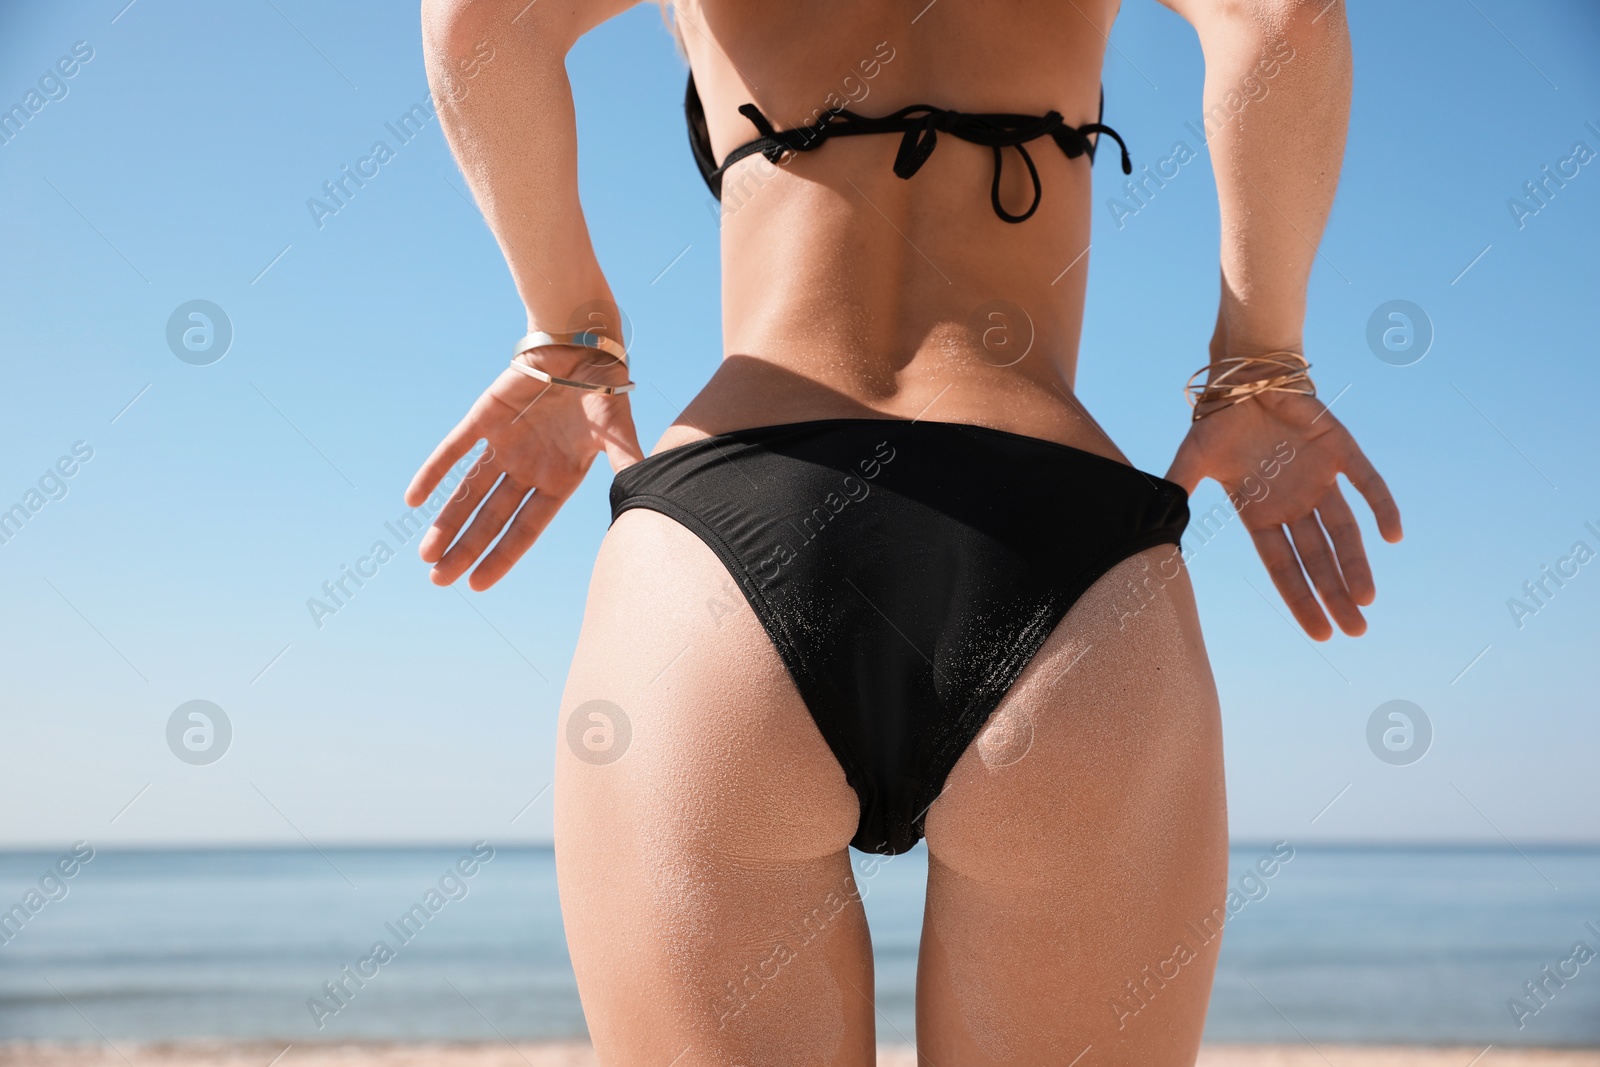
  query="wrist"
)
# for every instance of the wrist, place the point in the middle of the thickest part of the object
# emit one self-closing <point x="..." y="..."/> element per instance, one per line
<point x="577" y="362"/>
<point x="556" y="359"/>
<point x="1232" y="380"/>
<point x="1238" y="334"/>
<point x="1225" y="356"/>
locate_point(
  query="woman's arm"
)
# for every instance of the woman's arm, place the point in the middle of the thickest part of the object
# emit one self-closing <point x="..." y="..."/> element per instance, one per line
<point x="497" y="70"/>
<point x="498" y="77"/>
<point x="1277" y="103"/>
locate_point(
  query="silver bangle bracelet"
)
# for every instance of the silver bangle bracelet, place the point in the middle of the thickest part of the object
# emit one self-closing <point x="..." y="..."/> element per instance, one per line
<point x="550" y="379"/>
<point x="577" y="339"/>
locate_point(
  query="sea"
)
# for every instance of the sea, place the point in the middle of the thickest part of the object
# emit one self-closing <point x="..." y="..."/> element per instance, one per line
<point x="1400" y="944"/>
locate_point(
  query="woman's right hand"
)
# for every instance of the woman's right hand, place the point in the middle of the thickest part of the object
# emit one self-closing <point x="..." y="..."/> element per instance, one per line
<point x="541" y="441"/>
<point x="1291" y="445"/>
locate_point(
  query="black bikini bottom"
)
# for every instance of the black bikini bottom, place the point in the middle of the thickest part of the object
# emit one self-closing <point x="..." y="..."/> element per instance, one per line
<point x="906" y="571"/>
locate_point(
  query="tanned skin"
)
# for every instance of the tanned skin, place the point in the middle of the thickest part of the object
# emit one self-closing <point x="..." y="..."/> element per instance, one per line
<point x="710" y="902"/>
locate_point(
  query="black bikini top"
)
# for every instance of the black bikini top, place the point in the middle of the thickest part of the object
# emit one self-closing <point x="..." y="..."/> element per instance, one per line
<point x="920" y="124"/>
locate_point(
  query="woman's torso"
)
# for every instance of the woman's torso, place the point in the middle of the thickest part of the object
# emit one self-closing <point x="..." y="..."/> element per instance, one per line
<point x="850" y="292"/>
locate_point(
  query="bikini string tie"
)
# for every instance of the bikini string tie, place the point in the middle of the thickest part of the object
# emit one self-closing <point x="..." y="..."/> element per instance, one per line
<point x="920" y="126"/>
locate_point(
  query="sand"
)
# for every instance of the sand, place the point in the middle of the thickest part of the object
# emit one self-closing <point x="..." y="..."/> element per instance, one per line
<point x="24" y="1054"/>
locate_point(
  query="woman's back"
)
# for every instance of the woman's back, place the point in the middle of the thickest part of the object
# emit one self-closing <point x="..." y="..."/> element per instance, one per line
<point x="857" y="289"/>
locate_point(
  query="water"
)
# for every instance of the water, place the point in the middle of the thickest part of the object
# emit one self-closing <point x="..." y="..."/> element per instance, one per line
<point x="1399" y="944"/>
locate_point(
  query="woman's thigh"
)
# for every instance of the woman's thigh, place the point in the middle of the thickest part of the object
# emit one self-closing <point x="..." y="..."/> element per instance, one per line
<point x="702" y="827"/>
<point x="1078" y="853"/>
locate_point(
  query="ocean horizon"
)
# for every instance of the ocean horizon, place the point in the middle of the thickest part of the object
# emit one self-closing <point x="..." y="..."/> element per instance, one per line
<point x="1407" y="943"/>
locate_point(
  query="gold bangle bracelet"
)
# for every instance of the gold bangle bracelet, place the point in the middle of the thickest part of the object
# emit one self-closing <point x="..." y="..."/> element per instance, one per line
<point x="1222" y="393"/>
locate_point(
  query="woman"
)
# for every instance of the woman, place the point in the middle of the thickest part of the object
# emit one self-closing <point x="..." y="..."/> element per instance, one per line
<point x="885" y="577"/>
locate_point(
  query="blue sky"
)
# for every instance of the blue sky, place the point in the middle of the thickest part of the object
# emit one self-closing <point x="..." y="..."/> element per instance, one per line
<point x="175" y="165"/>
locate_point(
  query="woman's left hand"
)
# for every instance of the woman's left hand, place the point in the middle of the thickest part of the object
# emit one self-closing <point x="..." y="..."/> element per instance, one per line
<point x="1279" y="456"/>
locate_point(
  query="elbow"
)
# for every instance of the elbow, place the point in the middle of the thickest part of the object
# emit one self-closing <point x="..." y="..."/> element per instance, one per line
<point x="1251" y="41"/>
<point x="454" y="31"/>
<point x="1300" y="24"/>
<point x="1310" y="25"/>
<point x="451" y="27"/>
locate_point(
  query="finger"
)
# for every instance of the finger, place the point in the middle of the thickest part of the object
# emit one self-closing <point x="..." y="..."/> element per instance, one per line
<point x="622" y="445"/>
<point x="1284" y="568"/>
<point x="1370" y="485"/>
<point x="1186" y="469"/>
<point x="486" y="524"/>
<point x="529" y="522"/>
<point x="1340" y="522"/>
<point x="1312" y="544"/>
<point x="457" y="443"/>
<point x="462" y="503"/>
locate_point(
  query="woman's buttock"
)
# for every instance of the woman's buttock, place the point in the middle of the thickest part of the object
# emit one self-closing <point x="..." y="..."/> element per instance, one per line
<point x="1081" y="842"/>
<point x="707" y="887"/>
<point x="905" y="572"/>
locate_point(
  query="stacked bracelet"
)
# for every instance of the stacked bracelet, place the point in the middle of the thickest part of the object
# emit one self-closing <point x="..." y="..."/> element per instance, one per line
<point x="580" y="339"/>
<point x="1219" y="392"/>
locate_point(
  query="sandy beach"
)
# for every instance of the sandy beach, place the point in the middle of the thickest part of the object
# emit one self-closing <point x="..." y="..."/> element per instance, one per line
<point x="545" y="1054"/>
